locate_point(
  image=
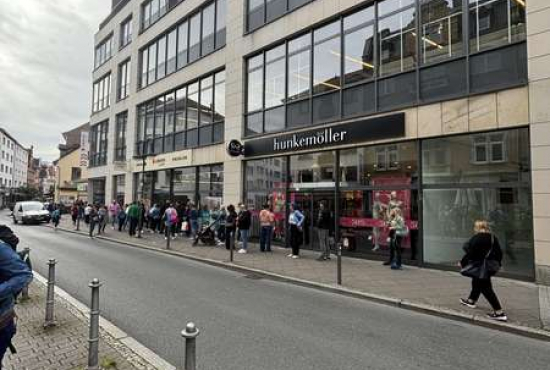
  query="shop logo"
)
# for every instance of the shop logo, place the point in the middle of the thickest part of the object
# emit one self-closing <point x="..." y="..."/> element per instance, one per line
<point x="325" y="137"/>
<point x="235" y="148"/>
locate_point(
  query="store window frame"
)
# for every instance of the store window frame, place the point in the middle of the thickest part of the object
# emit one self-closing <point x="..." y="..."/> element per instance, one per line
<point x="99" y="144"/>
<point x="386" y="94"/>
<point x="124" y="79"/>
<point x="103" y="52"/>
<point x="126" y="30"/>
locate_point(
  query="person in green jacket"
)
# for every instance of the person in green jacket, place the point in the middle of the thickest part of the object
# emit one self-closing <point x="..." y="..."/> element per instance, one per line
<point x="133" y="216"/>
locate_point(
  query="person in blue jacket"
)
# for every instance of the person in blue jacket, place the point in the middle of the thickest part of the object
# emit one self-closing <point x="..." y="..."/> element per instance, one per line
<point x="14" y="276"/>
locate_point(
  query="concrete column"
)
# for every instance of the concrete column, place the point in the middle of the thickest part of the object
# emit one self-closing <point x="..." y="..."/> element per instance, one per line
<point x="538" y="46"/>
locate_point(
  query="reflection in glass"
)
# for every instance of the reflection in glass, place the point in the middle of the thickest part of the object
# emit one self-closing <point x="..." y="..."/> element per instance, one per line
<point x="221" y="13"/>
<point x="180" y="109"/>
<point x="299" y="66"/>
<point x="182" y="44"/>
<point x="441" y="29"/>
<point x="208" y="16"/>
<point x="397" y="42"/>
<point x="206" y="104"/>
<point x="219" y="96"/>
<point x="359" y="46"/>
<point x="275" y="77"/>
<point x="192" y="105"/>
<point x="327" y="58"/>
<point x="161" y="62"/>
<point x="194" y="37"/>
<point x="313" y="170"/>
<point x="172" y="50"/>
<point x="255" y="83"/>
<point x="152" y="64"/>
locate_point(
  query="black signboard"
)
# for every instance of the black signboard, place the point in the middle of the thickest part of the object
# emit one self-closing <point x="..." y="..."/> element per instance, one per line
<point x="379" y="128"/>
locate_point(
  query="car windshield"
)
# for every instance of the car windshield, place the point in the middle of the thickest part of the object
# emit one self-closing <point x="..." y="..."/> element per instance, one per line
<point x="33" y="207"/>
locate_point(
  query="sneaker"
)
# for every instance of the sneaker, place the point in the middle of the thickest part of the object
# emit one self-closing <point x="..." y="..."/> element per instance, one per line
<point x="294" y="257"/>
<point x="498" y="316"/>
<point x="467" y="303"/>
<point x="165" y="238"/>
<point x="395" y="267"/>
<point x="290" y="255"/>
<point x="376" y="247"/>
<point x="242" y="251"/>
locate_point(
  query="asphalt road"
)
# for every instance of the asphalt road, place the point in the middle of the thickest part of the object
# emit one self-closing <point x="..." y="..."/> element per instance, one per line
<point x="259" y="324"/>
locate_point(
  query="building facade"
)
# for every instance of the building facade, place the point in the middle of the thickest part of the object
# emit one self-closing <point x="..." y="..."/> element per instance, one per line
<point x="13" y="162"/>
<point x="436" y="107"/>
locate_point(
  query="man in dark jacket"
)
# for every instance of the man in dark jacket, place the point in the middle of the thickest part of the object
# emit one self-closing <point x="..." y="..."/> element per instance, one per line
<point x="14" y="276"/>
<point x="323" y="226"/>
<point x="243" y="223"/>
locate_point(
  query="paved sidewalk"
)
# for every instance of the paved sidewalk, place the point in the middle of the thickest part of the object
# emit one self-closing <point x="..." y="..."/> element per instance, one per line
<point x="64" y="347"/>
<point x="427" y="288"/>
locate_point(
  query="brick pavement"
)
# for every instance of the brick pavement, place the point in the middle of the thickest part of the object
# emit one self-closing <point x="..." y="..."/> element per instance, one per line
<point x="422" y="286"/>
<point x="65" y="346"/>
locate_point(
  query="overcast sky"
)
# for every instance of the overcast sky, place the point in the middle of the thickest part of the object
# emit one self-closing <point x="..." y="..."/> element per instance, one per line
<point x="46" y="61"/>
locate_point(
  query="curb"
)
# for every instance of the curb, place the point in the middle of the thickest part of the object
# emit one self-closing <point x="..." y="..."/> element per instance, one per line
<point x="443" y="312"/>
<point x="133" y="345"/>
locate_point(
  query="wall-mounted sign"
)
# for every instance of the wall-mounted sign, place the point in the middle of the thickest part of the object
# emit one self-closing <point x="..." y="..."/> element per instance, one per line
<point x="235" y="148"/>
<point x="162" y="161"/>
<point x="84" y="149"/>
<point x="379" y="128"/>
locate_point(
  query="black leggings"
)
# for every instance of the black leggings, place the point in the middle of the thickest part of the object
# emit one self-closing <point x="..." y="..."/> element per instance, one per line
<point x="485" y="287"/>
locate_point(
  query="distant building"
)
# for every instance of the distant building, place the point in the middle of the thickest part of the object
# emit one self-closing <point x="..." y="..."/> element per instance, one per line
<point x="71" y="167"/>
<point x="13" y="162"/>
<point x="32" y="169"/>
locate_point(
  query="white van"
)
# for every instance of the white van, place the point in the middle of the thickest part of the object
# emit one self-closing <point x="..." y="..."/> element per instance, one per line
<point x="30" y="212"/>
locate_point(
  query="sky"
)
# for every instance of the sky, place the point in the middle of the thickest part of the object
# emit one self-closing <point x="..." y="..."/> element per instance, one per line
<point x="46" y="61"/>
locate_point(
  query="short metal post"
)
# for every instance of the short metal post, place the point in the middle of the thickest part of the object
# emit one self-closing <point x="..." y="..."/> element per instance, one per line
<point x="50" y="297"/>
<point x="339" y="263"/>
<point x="78" y="223"/>
<point x="231" y="245"/>
<point x="93" y="340"/>
<point x="190" y="334"/>
<point x="27" y="260"/>
<point x="168" y="238"/>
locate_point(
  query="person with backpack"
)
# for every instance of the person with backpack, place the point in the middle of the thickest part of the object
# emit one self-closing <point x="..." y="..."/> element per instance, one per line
<point x="482" y="260"/>
<point x="170" y="221"/>
<point x="296" y="221"/>
<point x="244" y="220"/>
<point x="14" y="276"/>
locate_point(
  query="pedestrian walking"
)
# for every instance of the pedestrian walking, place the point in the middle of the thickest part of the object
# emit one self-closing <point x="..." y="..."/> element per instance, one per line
<point x="87" y="211"/>
<point x="102" y="219"/>
<point x="133" y="215"/>
<point x="194" y="217"/>
<point x="243" y="223"/>
<point x="230" y="227"/>
<point x="56" y="216"/>
<point x="93" y="219"/>
<point x="323" y="224"/>
<point x="267" y="220"/>
<point x="398" y="230"/>
<point x="14" y="276"/>
<point x="154" y="218"/>
<point x="296" y="220"/>
<point x="74" y="213"/>
<point x="114" y="208"/>
<point x="482" y="260"/>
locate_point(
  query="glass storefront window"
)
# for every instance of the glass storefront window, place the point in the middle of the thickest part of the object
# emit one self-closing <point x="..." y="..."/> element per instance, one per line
<point x="441" y="29"/>
<point x="495" y="157"/>
<point x="143" y="187"/>
<point x="161" y="188"/>
<point x="119" y="188"/>
<point x="299" y="64"/>
<point x="275" y="77"/>
<point x="382" y="165"/>
<point x="315" y="170"/>
<point x="210" y="196"/>
<point x="255" y="83"/>
<point x="184" y="183"/>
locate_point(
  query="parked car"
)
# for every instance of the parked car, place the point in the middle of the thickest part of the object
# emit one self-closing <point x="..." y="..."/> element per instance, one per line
<point x="30" y="212"/>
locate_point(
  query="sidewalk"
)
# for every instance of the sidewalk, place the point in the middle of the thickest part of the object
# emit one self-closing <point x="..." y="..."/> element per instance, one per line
<point x="65" y="346"/>
<point x="416" y="288"/>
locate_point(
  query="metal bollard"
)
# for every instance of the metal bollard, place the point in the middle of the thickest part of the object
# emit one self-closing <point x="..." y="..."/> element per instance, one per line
<point x="190" y="334"/>
<point x="50" y="297"/>
<point x="27" y="259"/>
<point x="93" y="340"/>
<point x="339" y="263"/>
<point x="168" y="239"/>
<point x="78" y="223"/>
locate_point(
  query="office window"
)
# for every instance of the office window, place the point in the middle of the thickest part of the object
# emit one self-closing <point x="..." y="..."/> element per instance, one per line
<point x="124" y="72"/>
<point x="326" y="58"/>
<point x="161" y="57"/>
<point x="171" y="52"/>
<point x="441" y="30"/>
<point x="101" y="93"/>
<point x="255" y="83"/>
<point x="208" y="29"/>
<point x="275" y="77"/>
<point x="120" y="136"/>
<point x="126" y="32"/>
<point x="496" y="22"/>
<point x="359" y="46"/>
<point x="144" y="60"/>
<point x="152" y="72"/>
<point x="98" y="144"/>
<point x="182" y="44"/>
<point x="299" y="66"/>
<point x="221" y="14"/>
<point x="194" y="37"/>
<point x="103" y="51"/>
<point x="256" y="14"/>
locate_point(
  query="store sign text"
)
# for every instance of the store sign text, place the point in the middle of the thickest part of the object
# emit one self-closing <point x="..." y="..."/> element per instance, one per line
<point x="326" y="136"/>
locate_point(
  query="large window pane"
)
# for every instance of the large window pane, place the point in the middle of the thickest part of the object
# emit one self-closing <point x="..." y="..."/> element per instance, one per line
<point x="274" y="9"/>
<point x="172" y="50"/>
<point x="152" y="75"/>
<point x="169" y="114"/>
<point x="255" y="83"/>
<point x="161" y="63"/>
<point x="275" y="119"/>
<point x="180" y="109"/>
<point x="315" y="170"/>
<point x="195" y="37"/>
<point x="397" y="91"/>
<point x="144" y="67"/>
<point x="219" y="96"/>
<point x="255" y="123"/>
<point x="256" y="13"/>
<point x="208" y="16"/>
<point x="193" y="105"/>
<point x="159" y="117"/>
<point x="397" y="39"/>
<point x="184" y="183"/>
<point x="327" y="58"/>
<point x="182" y="44"/>
<point x="441" y="29"/>
<point x="326" y="108"/>
<point x="498" y="157"/>
<point x="275" y="77"/>
<point x="359" y="100"/>
<point x="207" y="99"/>
<point x="359" y="46"/>
<point x="388" y="6"/>
<point x="299" y="67"/>
<point x="299" y="114"/>
<point x="443" y="81"/>
<point x="221" y="14"/>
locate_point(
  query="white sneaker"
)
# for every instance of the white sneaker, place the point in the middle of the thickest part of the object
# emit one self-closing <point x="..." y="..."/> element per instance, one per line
<point x="242" y="251"/>
<point x="290" y="255"/>
<point x="376" y="247"/>
<point x="295" y="257"/>
<point x="165" y="238"/>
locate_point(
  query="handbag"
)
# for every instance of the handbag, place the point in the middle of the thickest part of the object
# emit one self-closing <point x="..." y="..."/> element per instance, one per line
<point x="185" y="226"/>
<point x="482" y="270"/>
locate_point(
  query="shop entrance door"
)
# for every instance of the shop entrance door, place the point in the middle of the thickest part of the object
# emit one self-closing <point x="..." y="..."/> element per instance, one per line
<point x="309" y="202"/>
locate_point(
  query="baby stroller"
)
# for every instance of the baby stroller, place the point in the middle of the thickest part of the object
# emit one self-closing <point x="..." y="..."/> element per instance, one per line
<point x="207" y="234"/>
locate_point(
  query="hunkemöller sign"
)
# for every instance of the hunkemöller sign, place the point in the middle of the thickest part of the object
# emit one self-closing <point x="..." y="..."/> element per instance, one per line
<point x="364" y="130"/>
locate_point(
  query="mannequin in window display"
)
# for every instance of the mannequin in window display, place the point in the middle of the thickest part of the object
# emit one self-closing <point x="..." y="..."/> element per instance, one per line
<point x="378" y="213"/>
<point x="394" y="203"/>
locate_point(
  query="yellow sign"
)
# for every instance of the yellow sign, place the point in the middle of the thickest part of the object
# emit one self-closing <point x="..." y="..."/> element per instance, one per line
<point x="164" y="161"/>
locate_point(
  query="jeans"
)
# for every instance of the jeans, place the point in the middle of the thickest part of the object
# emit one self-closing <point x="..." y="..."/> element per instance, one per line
<point x="6" y="335"/>
<point x="92" y="227"/>
<point x="485" y="287"/>
<point x="133" y="226"/>
<point x="265" y="238"/>
<point x="244" y="239"/>
<point x="194" y="227"/>
<point x="323" y="242"/>
<point x="395" y="251"/>
<point x="113" y="221"/>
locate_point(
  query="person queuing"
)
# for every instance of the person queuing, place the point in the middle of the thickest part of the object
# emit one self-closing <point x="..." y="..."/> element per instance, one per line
<point x="230" y="227"/>
<point x="483" y="249"/>
<point x="323" y="230"/>
<point x="74" y="213"/>
<point x="154" y="218"/>
<point x="267" y="220"/>
<point x="133" y="216"/>
<point x="398" y="231"/>
<point x="121" y="218"/>
<point x="93" y="219"/>
<point x="296" y="220"/>
<point x="114" y="209"/>
<point x="170" y="221"/>
<point x="244" y="220"/>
